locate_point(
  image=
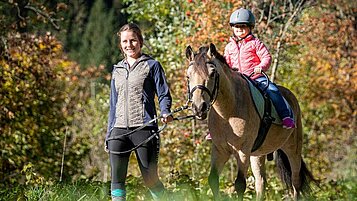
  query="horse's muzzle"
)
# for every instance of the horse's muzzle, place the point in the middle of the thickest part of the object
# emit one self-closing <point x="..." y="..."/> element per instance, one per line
<point x="200" y="111"/>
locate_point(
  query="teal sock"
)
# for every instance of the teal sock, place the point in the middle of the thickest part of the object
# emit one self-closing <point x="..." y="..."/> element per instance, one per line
<point x="157" y="195"/>
<point x="118" y="193"/>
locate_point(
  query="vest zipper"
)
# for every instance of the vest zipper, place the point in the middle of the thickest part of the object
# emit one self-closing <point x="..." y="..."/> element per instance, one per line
<point x="126" y="100"/>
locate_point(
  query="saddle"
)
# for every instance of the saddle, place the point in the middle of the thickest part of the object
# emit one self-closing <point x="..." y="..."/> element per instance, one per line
<point x="266" y="111"/>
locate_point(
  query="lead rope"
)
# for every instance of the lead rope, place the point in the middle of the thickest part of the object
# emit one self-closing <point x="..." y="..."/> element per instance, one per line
<point x="154" y="134"/>
<point x="149" y="122"/>
<point x="141" y="143"/>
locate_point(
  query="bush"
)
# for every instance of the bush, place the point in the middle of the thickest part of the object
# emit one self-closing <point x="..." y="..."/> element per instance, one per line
<point x="40" y="91"/>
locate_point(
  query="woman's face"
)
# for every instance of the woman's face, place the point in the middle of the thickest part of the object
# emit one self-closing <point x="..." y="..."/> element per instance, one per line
<point x="241" y="30"/>
<point x="130" y="44"/>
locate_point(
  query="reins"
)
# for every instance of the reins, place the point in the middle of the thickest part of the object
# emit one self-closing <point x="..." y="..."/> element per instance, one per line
<point x="266" y="76"/>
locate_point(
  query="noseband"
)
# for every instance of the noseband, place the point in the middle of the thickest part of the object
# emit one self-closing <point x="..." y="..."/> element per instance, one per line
<point x="212" y="94"/>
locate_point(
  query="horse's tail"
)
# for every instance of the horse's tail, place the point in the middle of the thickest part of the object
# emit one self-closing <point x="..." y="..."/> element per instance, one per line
<point x="284" y="169"/>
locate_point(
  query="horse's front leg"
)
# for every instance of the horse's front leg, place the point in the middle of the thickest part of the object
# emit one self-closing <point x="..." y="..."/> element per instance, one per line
<point x="240" y="183"/>
<point x="218" y="159"/>
<point x="258" y="169"/>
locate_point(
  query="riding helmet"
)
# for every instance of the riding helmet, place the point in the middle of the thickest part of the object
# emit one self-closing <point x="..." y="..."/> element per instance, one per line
<point x="242" y="16"/>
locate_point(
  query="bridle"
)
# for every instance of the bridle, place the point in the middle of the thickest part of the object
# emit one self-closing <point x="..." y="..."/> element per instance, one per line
<point x="212" y="94"/>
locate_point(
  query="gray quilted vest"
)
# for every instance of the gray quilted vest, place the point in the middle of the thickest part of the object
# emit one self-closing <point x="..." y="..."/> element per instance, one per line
<point x="129" y="86"/>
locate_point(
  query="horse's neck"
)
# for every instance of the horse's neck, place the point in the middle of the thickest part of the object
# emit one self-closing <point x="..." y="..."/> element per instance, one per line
<point x="232" y="93"/>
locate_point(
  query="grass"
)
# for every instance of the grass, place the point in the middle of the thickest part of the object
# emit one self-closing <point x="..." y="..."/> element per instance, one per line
<point x="181" y="191"/>
<point x="80" y="190"/>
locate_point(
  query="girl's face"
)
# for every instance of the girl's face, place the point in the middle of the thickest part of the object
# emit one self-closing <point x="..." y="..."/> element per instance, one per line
<point x="241" y="30"/>
<point x="130" y="44"/>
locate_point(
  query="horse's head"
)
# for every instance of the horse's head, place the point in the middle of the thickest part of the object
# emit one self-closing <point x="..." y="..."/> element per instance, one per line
<point x="203" y="79"/>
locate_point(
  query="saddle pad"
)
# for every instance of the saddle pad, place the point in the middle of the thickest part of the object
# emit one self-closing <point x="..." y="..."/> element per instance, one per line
<point x="258" y="100"/>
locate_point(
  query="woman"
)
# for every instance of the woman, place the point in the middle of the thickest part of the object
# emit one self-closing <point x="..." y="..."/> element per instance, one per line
<point x="135" y="81"/>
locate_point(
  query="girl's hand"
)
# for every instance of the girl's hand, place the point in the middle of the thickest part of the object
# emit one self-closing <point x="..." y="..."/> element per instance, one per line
<point x="166" y="118"/>
<point x="257" y="70"/>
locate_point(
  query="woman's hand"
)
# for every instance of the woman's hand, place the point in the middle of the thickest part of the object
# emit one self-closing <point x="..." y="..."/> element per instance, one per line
<point x="166" y="118"/>
<point x="106" y="147"/>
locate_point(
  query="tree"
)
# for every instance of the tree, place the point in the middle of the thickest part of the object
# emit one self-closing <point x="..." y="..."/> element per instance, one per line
<point x="29" y="15"/>
<point x="325" y="78"/>
<point x="275" y="21"/>
<point x="39" y="91"/>
<point x="99" y="44"/>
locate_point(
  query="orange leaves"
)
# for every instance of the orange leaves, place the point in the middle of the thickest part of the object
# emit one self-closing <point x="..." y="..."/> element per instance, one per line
<point x="188" y="13"/>
<point x="329" y="53"/>
<point x="326" y="70"/>
<point x="210" y="21"/>
<point x="35" y="72"/>
<point x="30" y="51"/>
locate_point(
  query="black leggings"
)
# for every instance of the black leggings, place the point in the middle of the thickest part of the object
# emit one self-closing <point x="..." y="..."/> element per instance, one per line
<point x="147" y="156"/>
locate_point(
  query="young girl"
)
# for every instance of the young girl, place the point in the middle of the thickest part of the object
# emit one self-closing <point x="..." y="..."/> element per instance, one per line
<point x="135" y="82"/>
<point x="248" y="54"/>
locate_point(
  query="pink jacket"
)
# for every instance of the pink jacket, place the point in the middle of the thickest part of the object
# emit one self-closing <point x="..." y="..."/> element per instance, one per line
<point x="247" y="54"/>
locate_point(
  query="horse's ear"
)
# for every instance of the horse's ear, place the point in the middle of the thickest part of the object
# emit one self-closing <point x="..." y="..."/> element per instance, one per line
<point x="212" y="51"/>
<point x="189" y="53"/>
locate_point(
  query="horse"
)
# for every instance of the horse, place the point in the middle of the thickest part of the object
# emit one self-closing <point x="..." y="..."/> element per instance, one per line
<point x="222" y="95"/>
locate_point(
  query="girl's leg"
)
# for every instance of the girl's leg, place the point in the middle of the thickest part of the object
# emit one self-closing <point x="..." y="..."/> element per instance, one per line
<point x="277" y="100"/>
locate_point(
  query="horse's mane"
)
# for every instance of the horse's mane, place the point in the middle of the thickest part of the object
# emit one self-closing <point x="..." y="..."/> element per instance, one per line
<point x="221" y="58"/>
<point x="201" y="59"/>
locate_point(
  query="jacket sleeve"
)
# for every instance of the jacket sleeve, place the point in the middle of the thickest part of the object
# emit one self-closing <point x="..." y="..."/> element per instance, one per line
<point x="227" y="57"/>
<point x="162" y="89"/>
<point x="264" y="56"/>
<point x="112" y="107"/>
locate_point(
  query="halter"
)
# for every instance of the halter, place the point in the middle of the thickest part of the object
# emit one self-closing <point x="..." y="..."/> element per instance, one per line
<point x="212" y="95"/>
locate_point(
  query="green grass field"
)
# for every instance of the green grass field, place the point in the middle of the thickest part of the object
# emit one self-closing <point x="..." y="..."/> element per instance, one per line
<point x="181" y="191"/>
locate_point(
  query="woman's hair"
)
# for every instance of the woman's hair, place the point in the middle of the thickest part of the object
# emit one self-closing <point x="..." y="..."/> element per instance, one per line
<point x="134" y="28"/>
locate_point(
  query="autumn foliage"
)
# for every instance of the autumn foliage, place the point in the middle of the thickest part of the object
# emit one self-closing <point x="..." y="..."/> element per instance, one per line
<point x="210" y="22"/>
<point x="327" y="64"/>
<point x="39" y="91"/>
